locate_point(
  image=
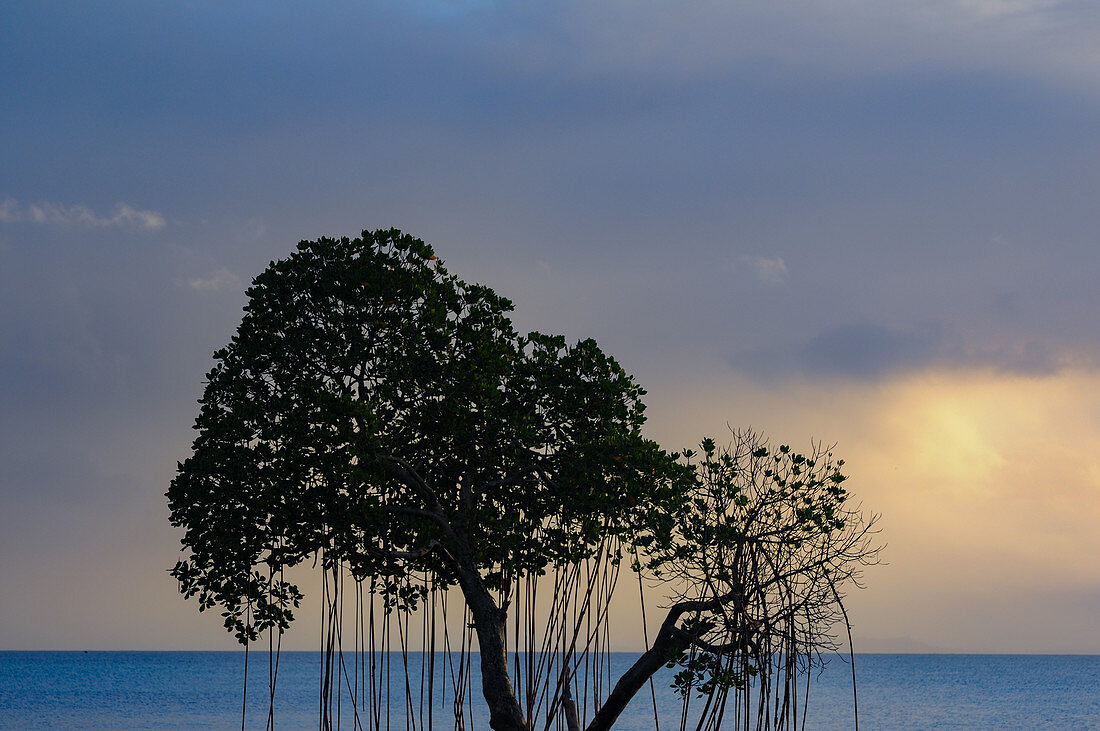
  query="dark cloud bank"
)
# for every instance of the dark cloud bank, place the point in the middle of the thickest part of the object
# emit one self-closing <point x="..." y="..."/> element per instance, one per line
<point x="865" y="351"/>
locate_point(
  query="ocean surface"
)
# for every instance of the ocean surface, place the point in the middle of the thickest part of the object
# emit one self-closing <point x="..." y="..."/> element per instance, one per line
<point x="185" y="690"/>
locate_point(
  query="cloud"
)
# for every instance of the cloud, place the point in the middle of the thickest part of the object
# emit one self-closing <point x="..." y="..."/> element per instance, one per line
<point x="870" y="351"/>
<point x="214" y="281"/>
<point x="770" y="270"/>
<point x="986" y="482"/>
<point x="254" y="229"/>
<point x="866" y="349"/>
<point x="1001" y="8"/>
<point x="9" y="210"/>
<point x="122" y="216"/>
<point x="827" y="38"/>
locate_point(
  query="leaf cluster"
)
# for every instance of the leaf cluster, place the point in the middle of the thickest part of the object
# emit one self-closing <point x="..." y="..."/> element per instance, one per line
<point x="378" y="412"/>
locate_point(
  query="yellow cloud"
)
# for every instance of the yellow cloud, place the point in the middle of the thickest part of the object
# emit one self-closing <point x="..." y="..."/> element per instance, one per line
<point x="988" y="483"/>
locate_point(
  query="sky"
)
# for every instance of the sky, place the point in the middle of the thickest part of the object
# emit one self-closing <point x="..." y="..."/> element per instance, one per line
<point x="859" y="221"/>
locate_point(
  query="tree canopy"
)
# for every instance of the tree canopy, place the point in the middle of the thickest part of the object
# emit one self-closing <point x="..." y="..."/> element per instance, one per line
<point x="377" y="412"/>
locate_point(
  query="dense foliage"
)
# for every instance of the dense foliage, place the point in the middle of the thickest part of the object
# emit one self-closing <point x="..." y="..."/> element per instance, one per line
<point x="377" y="408"/>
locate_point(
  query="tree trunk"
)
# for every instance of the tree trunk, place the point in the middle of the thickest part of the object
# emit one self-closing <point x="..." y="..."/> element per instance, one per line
<point x="572" y="720"/>
<point x="668" y="644"/>
<point x="505" y="713"/>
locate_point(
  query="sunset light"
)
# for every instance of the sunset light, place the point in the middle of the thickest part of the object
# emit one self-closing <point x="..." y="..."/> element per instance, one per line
<point x="544" y="327"/>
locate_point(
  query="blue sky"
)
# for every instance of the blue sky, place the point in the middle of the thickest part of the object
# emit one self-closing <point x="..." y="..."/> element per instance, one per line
<point x="826" y="221"/>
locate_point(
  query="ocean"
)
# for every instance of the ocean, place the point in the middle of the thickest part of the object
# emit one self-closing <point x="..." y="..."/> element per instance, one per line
<point x="193" y="690"/>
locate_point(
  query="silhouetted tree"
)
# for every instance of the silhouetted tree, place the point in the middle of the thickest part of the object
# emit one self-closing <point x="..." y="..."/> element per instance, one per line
<point x="379" y="414"/>
<point x="756" y="566"/>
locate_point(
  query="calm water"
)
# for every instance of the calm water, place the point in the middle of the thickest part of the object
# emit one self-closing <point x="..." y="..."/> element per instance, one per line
<point x="100" y="690"/>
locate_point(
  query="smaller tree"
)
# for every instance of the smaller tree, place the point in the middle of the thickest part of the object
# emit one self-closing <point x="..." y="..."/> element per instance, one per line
<point x="757" y="562"/>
